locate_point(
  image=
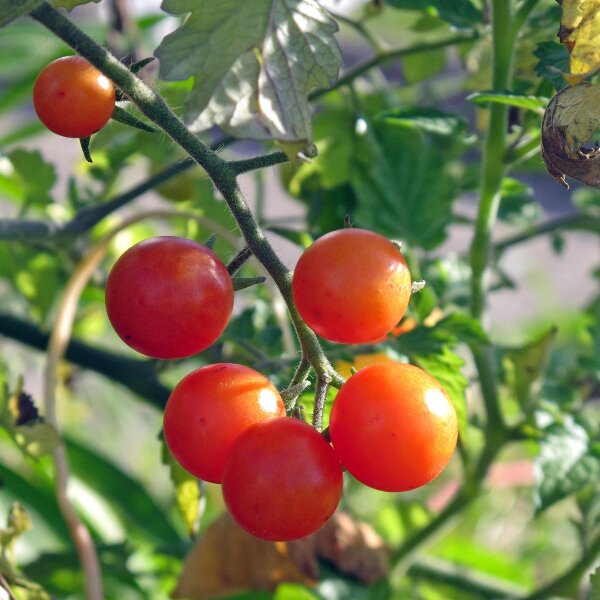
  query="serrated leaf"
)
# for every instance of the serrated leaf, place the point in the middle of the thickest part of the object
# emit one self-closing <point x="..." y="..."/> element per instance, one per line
<point x="460" y="13"/>
<point x="594" y="593"/>
<point x="446" y="367"/>
<point x="553" y="63"/>
<point x="533" y="103"/>
<point x="571" y="123"/>
<point x="564" y="465"/>
<point x="13" y="9"/>
<point x="579" y="30"/>
<point x="253" y="63"/>
<point x="187" y="491"/>
<point x="430" y="120"/>
<point x="523" y="366"/>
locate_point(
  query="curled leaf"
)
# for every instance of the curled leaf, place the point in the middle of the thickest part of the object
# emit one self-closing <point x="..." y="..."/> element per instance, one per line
<point x="579" y="31"/>
<point x="226" y="559"/>
<point x="569" y="130"/>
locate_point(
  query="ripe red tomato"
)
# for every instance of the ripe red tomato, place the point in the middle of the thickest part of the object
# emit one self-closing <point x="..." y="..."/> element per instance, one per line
<point x="393" y="426"/>
<point x="352" y="286"/>
<point x="72" y="98"/>
<point x="169" y="297"/>
<point x="282" y="480"/>
<point x="209" y="408"/>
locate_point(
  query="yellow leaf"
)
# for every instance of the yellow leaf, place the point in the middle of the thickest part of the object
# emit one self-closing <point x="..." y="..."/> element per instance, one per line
<point x="579" y="30"/>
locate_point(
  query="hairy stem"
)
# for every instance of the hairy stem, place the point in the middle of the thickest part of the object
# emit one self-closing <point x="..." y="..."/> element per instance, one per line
<point x="221" y="173"/>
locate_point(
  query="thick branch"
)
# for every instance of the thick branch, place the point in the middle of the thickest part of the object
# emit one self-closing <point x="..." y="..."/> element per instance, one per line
<point x="137" y="375"/>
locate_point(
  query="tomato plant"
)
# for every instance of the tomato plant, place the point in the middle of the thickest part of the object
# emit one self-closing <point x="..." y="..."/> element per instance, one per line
<point x="72" y="98"/>
<point x="169" y="297"/>
<point x="352" y="286"/>
<point x="209" y="408"/>
<point x="282" y="480"/>
<point x="393" y="426"/>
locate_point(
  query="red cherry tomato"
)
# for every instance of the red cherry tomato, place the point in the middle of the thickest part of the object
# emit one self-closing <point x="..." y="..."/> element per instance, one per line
<point x="209" y="409"/>
<point x="72" y="98"/>
<point x="169" y="297"/>
<point x="393" y="426"/>
<point x="352" y="286"/>
<point x="282" y="480"/>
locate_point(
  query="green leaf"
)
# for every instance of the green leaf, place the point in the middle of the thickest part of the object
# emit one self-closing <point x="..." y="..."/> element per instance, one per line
<point x="523" y="366"/>
<point x="460" y="13"/>
<point x="70" y="4"/>
<point x="381" y="173"/>
<point x="553" y="62"/>
<point x="187" y="491"/>
<point x="37" y="175"/>
<point x="254" y="63"/>
<point x="427" y="119"/>
<point x="122" y="116"/>
<point x="13" y="9"/>
<point x="446" y="367"/>
<point x="564" y="465"/>
<point x="534" y="103"/>
<point x="517" y="204"/>
<point x="127" y="497"/>
<point x="594" y="593"/>
<point x="293" y="591"/>
<point x="421" y="66"/>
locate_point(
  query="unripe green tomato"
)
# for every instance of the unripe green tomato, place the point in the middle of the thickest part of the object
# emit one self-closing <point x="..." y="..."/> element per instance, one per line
<point x="179" y="187"/>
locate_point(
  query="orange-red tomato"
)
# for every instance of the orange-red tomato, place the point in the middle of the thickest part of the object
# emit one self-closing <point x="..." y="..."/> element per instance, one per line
<point x="352" y="286"/>
<point x="209" y="408"/>
<point x="72" y="98"/>
<point x="282" y="480"/>
<point x="393" y="426"/>
<point x="169" y="297"/>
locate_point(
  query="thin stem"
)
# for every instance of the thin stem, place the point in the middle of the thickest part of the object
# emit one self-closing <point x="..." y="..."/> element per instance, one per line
<point x="361" y="29"/>
<point x="320" y="398"/>
<point x="523" y="12"/>
<point x="238" y="261"/>
<point x="389" y="55"/>
<point x="258" y="162"/>
<point x="58" y="342"/>
<point x="223" y="176"/>
<point x="566" y="584"/>
<point x="464" y="579"/>
<point x="576" y="221"/>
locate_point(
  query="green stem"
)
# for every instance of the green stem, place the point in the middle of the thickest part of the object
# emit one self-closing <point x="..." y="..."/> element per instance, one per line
<point x="464" y="579"/>
<point x="137" y="375"/>
<point x="221" y="173"/>
<point x="493" y="154"/>
<point x="389" y="55"/>
<point x="577" y="221"/>
<point x="566" y="584"/>
<point x="320" y="397"/>
<point x="523" y="12"/>
<point x="258" y="162"/>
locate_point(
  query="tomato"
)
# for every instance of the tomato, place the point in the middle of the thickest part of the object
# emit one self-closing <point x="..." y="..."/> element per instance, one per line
<point x="72" y="98"/>
<point x="207" y="411"/>
<point x="282" y="480"/>
<point x="393" y="426"/>
<point x="352" y="286"/>
<point x="169" y="297"/>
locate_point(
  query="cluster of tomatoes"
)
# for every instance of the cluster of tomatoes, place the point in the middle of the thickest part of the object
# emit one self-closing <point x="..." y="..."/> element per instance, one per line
<point x="392" y="426"/>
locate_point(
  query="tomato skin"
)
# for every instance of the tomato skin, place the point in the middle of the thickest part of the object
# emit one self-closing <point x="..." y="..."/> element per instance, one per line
<point x="282" y="480"/>
<point x="209" y="408"/>
<point x="169" y="297"/>
<point x="352" y="286"/>
<point x="72" y="98"/>
<point x="393" y="427"/>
